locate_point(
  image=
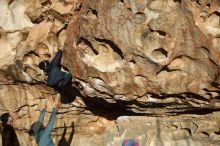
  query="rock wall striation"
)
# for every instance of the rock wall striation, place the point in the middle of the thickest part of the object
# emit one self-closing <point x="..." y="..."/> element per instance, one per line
<point x="142" y="69"/>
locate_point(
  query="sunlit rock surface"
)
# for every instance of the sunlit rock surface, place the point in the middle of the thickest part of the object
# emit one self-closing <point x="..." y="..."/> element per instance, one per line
<point x="147" y="53"/>
<point x="147" y="70"/>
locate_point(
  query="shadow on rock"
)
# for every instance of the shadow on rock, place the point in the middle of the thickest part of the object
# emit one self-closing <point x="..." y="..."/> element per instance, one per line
<point x="110" y="111"/>
<point x="63" y="141"/>
<point x="68" y="94"/>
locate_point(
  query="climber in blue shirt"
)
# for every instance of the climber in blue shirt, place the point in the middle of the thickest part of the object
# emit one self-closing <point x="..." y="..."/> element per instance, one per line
<point x="41" y="133"/>
<point x="56" y="78"/>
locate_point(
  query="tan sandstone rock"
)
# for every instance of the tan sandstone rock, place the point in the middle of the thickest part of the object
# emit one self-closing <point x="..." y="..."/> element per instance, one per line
<point x="147" y="70"/>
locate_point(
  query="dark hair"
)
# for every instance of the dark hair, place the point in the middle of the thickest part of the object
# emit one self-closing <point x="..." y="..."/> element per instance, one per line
<point x="31" y="132"/>
<point x="9" y="137"/>
<point x="44" y="65"/>
<point x="4" y="118"/>
<point x="35" y="128"/>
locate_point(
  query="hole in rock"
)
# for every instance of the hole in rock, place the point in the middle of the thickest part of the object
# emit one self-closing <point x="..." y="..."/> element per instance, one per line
<point x="197" y="1"/>
<point x="160" y="53"/>
<point x="140" y="13"/>
<point x="202" y="18"/>
<point x="133" y="61"/>
<point x="162" y="33"/>
<point x="177" y="1"/>
<point x="88" y="43"/>
<point x="37" y="20"/>
<point x="129" y="9"/>
<point x="46" y="2"/>
<point x="10" y="1"/>
<point x="122" y="1"/>
<point x="208" y="5"/>
<point x="65" y="68"/>
<point x="217" y="133"/>
<point x="93" y="12"/>
<point x="140" y="17"/>
<point x="32" y="53"/>
<point x="114" y="47"/>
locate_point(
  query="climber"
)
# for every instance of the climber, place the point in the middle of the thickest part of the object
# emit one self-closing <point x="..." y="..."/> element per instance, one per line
<point x="9" y="137"/>
<point x="130" y="142"/>
<point x="56" y="78"/>
<point x="41" y="133"/>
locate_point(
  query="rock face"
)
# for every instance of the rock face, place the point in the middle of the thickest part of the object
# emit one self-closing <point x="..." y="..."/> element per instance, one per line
<point x="147" y="53"/>
<point x="147" y="70"/>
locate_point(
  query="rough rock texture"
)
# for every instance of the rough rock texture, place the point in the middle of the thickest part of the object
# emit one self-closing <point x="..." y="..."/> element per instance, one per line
<point x="147" y="53"/>
<point x="143" y="69"/>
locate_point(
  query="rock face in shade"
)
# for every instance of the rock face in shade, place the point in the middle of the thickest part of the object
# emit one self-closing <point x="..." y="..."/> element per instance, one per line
<point x="147" y="70"/>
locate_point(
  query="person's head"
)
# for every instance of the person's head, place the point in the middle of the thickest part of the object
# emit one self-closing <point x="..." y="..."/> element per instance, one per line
<point x="130" y="142"/>
<point x="6" y="119"/>
<point x="10" y="136"/>
<point x="35" y="128"/>
<point x="44" y="65"/>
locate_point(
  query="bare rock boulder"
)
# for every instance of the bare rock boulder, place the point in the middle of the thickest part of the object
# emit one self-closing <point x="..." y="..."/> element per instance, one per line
<point x="146" y="52"/>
